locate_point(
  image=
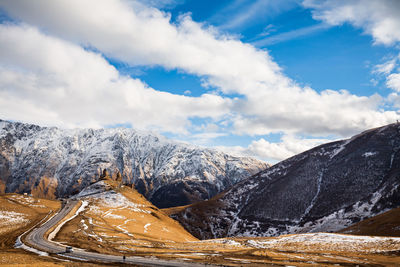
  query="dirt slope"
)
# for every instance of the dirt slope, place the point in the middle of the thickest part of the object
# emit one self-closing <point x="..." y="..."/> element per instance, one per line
<point x="385" y="224"/>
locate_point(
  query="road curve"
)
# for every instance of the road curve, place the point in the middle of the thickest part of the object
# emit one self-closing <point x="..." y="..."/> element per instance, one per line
<point x="36" y="239"/>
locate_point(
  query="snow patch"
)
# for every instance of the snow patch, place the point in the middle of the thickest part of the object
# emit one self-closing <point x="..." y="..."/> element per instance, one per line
<point x="85" y="227"/>
<point x="329" y="240"/>
<point x="11" y="218"/>
<point x="93" y="189"/>
<point x="227" y="242"/>
<point x="369" y="154"/>
<point x="341" y="146"/>
<point x="55" y="231"/>
<point x="146" y="227"/>
<point x="123" y="229"/>
<point x="316" y="194"/>
<point x="110" y="215"/>
<point x="111" y="199"/>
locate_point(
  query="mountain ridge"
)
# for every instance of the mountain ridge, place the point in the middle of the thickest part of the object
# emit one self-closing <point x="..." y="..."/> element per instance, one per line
<point x="63" y="162"/>
<point x="326" y="188"/>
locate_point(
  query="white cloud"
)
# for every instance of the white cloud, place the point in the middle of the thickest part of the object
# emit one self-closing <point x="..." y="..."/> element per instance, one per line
<point x="393" y="81"/>
<point x="204" y="138"/>
<point x="379" y="18"/>
<point x="58" y="83"/>
<point x="290" y="145"/>
<point x="294" y="108"/>
<point x="141" y="35"/>
<point x="394" y="98"/>
<point x="386" y="67"/>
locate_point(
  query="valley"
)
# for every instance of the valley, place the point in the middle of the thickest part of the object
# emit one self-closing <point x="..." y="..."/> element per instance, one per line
<point x="115" y="220"/>
<point x="285" y="215"/>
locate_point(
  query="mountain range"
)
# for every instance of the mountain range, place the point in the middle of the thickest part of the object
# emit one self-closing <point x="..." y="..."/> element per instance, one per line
<point x="51" y="162"/>
<point x="324" y="189"/>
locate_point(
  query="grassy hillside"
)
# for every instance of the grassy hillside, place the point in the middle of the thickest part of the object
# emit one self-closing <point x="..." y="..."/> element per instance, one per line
<point x="119" y="220"/>
<point x="19" y="213"/>
<point x="385" y="224"/>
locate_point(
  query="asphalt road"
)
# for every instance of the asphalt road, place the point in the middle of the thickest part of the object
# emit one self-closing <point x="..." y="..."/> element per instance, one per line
<point x="36" y="239"/>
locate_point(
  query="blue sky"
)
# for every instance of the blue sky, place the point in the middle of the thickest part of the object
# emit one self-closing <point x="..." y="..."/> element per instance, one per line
<point x="262" y="78"/>
<point x="329" y="57"/>
<point x="309" y="51"/>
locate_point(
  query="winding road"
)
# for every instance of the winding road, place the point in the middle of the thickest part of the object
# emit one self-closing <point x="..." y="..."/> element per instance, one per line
<point x="36" y="239"/>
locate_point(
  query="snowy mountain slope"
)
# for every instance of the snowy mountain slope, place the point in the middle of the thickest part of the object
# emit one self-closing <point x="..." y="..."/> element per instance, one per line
<point x="55" y="163"/>
<point x="324" y="189"/>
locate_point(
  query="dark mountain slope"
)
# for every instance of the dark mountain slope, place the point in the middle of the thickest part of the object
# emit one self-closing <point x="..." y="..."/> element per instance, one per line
<point x="324" y="189"/>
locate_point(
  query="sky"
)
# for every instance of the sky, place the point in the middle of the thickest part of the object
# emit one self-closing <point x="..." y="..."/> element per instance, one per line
<point x="260" y="78"/>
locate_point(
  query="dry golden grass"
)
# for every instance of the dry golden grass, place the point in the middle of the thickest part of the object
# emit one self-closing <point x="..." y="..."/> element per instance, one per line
<point x="19" y="213"/>
<point x="112" y="228"/>
<point x="17" y="257"/>
<point x="326" y="249"/>
<point x="2" y="187"/>
<point x="175" y="210"/>
<point x="385" y="224"/>
<point x="121" y="221"/>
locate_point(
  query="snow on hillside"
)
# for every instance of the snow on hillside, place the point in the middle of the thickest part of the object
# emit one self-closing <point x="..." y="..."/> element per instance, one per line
<point x="324" y="189"/>
<point x="329" y="242"/>
<point x="121" y="218"/>
<point x="167" y="172"/>
<point x="8" y="218"/>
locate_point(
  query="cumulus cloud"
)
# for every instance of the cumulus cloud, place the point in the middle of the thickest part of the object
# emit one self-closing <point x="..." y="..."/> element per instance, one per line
<point x="394" y="99"/>
<point x="58" y="83"/>
<point x="379" y="18"/>
<point x="142" y="35"/>
<point x="393" y="81"/>
<point x="295" y="108"/>
<point x="289" y="145"/>
<point x="46" y="66"/>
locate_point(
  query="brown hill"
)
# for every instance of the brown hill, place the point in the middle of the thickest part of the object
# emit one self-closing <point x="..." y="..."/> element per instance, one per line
<point x="117" y="219"/>
<point x="19" y="213"/>
<point x="385" y="224"/>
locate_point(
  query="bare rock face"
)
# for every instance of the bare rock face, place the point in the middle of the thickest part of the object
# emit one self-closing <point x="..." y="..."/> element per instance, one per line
<point x="324" y="189"/>
<point x="52" y="162"/>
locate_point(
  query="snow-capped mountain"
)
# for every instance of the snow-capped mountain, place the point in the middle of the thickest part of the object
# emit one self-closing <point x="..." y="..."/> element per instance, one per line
<point x="52" y="162"/>
<point x="324" y="189"/>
